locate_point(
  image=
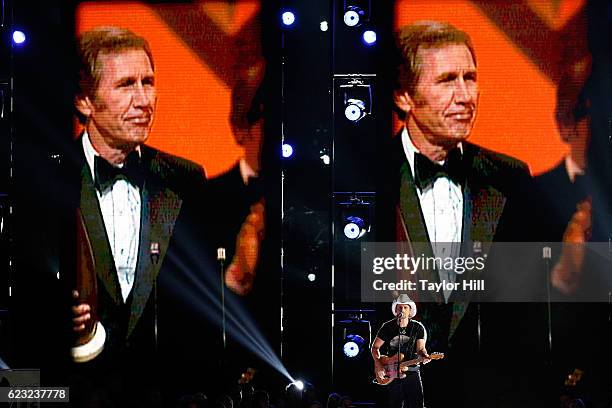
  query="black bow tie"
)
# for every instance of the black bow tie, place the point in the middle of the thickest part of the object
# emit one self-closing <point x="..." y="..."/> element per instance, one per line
<point x="426" y="171"/>
<point x="106" y="174"/>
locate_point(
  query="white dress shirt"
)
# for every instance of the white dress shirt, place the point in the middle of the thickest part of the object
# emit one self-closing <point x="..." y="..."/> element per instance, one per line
<point x="442" y="207"/>
<point x="120" y="206"/>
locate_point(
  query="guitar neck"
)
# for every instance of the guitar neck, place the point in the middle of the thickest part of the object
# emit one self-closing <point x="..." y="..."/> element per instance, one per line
<point x="408" y="363"/>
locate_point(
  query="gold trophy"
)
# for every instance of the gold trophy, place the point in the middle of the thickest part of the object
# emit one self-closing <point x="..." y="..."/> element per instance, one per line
<point x="89" y="343"/>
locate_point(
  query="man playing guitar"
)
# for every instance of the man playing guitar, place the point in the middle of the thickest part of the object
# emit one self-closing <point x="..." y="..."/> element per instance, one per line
<point x="406" y="336"/>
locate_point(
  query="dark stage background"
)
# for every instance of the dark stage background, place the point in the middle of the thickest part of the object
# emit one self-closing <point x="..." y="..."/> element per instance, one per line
<point x="307" y="287"/>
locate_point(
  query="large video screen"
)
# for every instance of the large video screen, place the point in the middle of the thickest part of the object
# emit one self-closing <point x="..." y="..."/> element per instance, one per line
<point x="522" y="49"/>
<point x="198" y="48"/>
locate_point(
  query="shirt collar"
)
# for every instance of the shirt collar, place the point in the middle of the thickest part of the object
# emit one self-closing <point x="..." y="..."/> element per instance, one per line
<point x="91" y="153"/>
<point x="246" y="171"/>
<point x="410" y="149"/>
<point x="572" y="168"/>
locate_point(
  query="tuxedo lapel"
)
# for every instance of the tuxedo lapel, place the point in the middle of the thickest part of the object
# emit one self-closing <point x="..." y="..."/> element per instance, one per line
<point x="412" y="227"/>
<point x="160" y="208"/>
<point x="415" y="229"/>
<point x="92" y="217"/>
<point x="483" y="205"/>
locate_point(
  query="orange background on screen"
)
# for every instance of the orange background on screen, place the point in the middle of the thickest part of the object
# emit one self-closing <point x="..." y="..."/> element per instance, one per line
<point x="517" y="101"/>
<point x="193" y="105"/>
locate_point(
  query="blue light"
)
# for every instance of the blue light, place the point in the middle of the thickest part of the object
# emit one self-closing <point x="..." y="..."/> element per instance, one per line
<point x="288" y="18"/>
<point x="369" y="37"/>
<point x="287" y="150"/>
<point x="19" y="37"/>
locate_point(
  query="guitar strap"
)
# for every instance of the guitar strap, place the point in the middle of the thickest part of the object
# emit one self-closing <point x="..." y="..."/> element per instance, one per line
<point x="410" y="344"/>
<point x="412" y="340"/>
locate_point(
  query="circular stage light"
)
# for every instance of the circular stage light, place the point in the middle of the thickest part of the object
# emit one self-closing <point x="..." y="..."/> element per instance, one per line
<point x="353" y="345"/>
<point x="355" y="110"/>
<point x="311" y="277"/>
<point x="287" y="150"/>
<point x="351" y="349"/>
<point x="369" y="37"/>
<point x="324" y="26"/>
<point x="19" y="37"/>
<point x="354" y="228"/>
<point x="299" y="384"/>
<point x="288" y="18"/>
<point x="351" y="18"/>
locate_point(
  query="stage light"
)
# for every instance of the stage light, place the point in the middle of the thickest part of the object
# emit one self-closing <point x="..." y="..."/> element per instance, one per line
<point x="355" y="92"/>
<point x="369" y="37"/>
<point x="352" y="16"/>
<point x="288" y="18"/>
<point x="355" y="216"/>
<point x="324" y="26"/>
<point x="355" y="227"/>
<point x="311" y="277"/>
<point x="298" y="384"/>
<point x="19" y="37"/>
<point x="354" y="110"/>
<point x="356" y="12"/>
<point x="324" y="156"/>
<point x="287" y="150"/>
<point x="353" y="346"/>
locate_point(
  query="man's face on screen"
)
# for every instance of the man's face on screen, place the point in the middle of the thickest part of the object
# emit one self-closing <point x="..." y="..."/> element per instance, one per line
<point x="121" y="111"/>
<point x="443" y="107"/>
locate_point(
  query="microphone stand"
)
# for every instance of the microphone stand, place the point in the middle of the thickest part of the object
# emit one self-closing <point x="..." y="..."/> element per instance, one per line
<point x="547" y="255"/>
<point x="221" y="259"/>
<point x="399" y="342"/>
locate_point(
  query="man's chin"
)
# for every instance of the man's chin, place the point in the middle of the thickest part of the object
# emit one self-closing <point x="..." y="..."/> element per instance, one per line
<point x="456" y="137"/>
<point x="139" y="137"/>
<point x="132" y="141"/>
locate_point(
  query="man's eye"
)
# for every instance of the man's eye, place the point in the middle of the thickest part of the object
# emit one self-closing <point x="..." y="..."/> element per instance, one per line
<point x="447" y="78"/>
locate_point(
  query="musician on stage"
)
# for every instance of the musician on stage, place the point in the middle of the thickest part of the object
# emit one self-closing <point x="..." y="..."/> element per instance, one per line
<point x="403" y="335"/>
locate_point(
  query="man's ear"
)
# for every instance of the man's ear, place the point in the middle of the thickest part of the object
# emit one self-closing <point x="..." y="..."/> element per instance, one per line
<point x="402" y="100"/>
<point x="83" y="105"/>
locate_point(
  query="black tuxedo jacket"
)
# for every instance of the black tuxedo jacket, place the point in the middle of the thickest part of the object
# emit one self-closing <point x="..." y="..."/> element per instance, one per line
<point x="495" y="190"/>
<point x="170" y="316"/>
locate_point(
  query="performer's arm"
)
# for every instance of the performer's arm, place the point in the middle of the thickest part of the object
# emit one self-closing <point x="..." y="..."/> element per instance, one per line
<point x="379" y="370"/>
<point x="422" y="351"/>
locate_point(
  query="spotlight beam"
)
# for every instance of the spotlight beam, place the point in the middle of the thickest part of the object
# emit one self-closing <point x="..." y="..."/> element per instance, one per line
<point x="3" y="365"/>
<point x="197" y="294"/>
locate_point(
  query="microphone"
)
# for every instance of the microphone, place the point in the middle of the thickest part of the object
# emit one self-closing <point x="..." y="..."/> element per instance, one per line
<point x="400" y="315"/>
<point x="154" y="252"/>
<point x="221" y="254"/>
<point x="221" y="259"/>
